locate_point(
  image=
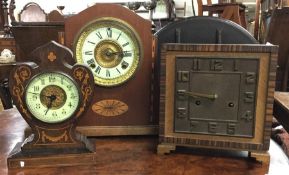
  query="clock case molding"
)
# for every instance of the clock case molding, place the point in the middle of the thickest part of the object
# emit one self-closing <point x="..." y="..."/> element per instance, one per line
<point x="258" y="144"/>
<point x="54" y="144"/>
<point x="136" y="93"/>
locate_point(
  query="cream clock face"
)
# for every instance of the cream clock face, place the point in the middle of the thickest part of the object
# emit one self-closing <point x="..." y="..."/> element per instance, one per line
<point x="111" y="48"/>
<point x="52" y="97"/>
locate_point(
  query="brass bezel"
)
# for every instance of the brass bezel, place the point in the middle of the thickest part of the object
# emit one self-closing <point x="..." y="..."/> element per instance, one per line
<point x="128" y="30"/>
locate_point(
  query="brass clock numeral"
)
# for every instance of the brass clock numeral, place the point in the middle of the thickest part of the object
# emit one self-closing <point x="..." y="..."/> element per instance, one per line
<point x="217" y="65"/>
<point x="247" y="116"/>
<point x="181" y="112"/>
<point x="249" y="97"/>
<point x="183" y="76"/>
<point x="250" y="77"/>
<point x="231" y="127"/>
<point x="196" y="65"/>
<point x="213" y="127"/>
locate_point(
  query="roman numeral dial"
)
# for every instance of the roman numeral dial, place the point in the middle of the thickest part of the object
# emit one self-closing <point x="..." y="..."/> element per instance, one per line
<point x="111" y="49"/>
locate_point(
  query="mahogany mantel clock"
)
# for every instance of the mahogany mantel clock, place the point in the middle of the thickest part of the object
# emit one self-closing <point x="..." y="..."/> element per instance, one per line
<point x="217" y="96"/>
<point x="116" y="44"/>
<point x="51" y="99"/>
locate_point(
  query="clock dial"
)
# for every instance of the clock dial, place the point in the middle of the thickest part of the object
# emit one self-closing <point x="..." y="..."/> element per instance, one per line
<point x="52" y="97"/>
<point x="216" y="96"/>
<point x="111" y="49"/>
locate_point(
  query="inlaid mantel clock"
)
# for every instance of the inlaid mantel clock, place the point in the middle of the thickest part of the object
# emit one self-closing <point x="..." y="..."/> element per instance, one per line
<point x="116" y="44"/>
<point x="217" y="96"/>
<point x="51" y="97"/>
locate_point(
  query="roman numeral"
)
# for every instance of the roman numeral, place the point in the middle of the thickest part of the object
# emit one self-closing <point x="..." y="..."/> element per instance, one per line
<point x="109" y="32"/>
<point x="127" y="54"/>
<point x="91" y="61"/>
<point x="97" y="70"/>
<point x="117" y="70"/>
<point x="107" y="73"/>
<point x="91" y="42"/>
<point x="119" y="35"/>
<point x="99" y="35"/>
<point x="125" y="44"/>
<point x="88" y="52"/>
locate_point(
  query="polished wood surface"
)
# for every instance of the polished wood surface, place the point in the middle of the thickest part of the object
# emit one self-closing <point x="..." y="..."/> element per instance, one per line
<point x="130" y="155"/>
<point x="138" y="119"/>
<point x="281" y="108"/>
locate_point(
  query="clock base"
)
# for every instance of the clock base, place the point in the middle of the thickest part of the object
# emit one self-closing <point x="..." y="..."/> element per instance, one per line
<point x="262" y="157"/>
<point x="18" y="159"/>
<point x="118" y="130"/>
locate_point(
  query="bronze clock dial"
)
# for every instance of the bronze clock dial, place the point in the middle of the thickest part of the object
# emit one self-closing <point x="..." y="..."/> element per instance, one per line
<point x="111" y="48"/>
<point x="216" y="96"/>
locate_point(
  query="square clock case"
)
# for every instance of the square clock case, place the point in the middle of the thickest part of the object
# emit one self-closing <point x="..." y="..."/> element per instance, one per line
<point x="217" y="96"/>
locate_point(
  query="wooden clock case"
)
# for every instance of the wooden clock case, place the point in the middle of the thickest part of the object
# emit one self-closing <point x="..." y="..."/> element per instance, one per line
<point x="49" y="144"/>
<point x="136" y="93"/>
<point x="172" y="135"/>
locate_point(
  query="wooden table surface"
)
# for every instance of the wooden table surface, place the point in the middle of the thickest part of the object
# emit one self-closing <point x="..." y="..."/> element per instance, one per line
<point x="281" y="108"/>
<point x="131" y="155"/>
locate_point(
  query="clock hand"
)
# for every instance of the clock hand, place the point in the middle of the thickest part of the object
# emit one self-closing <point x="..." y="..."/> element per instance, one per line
<point x="198" y="95"/>
<point x="109" y="53"/>
<point x="39" y="94"/>
<point x="51" y="98"/>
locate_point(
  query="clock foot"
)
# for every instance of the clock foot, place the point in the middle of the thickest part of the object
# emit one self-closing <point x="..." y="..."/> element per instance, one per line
<point x="263" y="157"/>
<point x="165" y="149"/>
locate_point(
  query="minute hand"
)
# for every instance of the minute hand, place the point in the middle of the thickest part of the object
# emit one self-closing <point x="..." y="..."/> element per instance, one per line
<point x="199" y="95"/>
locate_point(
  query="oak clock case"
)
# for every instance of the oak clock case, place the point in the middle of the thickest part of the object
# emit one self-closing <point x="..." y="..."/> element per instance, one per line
<point x="217" y="96"/>
<point x="116" y="44"/>
<point x="51" y="99"/>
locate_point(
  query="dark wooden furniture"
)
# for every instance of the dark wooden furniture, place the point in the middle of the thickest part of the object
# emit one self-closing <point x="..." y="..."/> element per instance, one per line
<point x="232" y="11"/>
<point x="278" y="35"/>
<point x="211" y="97"/>
<point x="281" y="108"/>
<point x="8" y="43"/>
<point x="4" y="91"/>
<point x="133" y="155"/>
<point x="134" y="94"/>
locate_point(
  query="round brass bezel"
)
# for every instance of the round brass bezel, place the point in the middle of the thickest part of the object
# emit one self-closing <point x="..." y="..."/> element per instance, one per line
<point x="125" y="28"/>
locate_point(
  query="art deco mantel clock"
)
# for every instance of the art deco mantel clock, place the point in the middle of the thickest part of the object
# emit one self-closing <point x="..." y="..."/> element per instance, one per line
<point x="51" y="97"/>
<point x="217" y="96"/>
<point x="116" y="44"/>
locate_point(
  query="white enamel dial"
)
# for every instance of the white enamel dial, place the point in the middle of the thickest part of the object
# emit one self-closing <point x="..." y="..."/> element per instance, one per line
<point x="111" y="49"/>
<point x="52" y="97"/>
